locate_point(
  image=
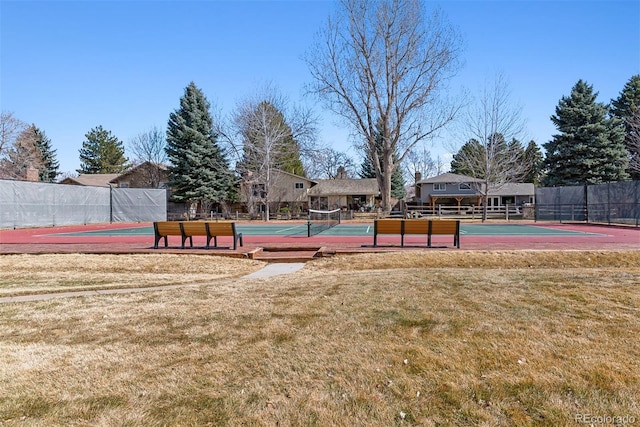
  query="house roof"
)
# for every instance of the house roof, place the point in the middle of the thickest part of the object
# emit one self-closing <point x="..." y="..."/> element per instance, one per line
<point x="345" y="187"/>
<point x="136" y="168"/>
<point x="91" y="180"/>
<point x="448" y="178"/>
<point x="294" y="175"/>
<point x="512" y="189"/>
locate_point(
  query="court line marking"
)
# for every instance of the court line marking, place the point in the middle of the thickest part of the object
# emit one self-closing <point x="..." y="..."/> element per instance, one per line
<point x="295" y="227"/>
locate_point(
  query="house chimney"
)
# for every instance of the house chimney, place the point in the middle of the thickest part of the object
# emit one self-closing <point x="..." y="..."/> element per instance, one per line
<point x="32" y="174"/>
<point x="418" y="193"/>
<point x="342" y="173"/>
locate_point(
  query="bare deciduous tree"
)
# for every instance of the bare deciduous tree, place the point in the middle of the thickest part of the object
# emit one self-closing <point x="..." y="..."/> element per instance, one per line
<point x="493" y="124"/>
<point x="382" y="66"/>
<point x="419" y="160"/>
<point x="21" y="156"/>
<point x="324" y="162"/>
<point x="270" y="130"/>
<point x="150" y="147"/>
<point x="10" y="128"/>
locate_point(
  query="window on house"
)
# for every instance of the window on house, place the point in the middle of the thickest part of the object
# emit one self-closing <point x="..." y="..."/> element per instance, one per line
<point x="464" y="186"/>
<point x="299" y="184"/>
<point x="439" y="186"/>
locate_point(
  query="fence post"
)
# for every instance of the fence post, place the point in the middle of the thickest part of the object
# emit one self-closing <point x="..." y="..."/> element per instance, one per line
<point x="609" y="203"/>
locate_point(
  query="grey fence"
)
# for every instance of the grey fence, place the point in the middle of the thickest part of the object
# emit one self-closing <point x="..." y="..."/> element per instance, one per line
<point x="611" y="203"/>
<point x="35" y="204"/>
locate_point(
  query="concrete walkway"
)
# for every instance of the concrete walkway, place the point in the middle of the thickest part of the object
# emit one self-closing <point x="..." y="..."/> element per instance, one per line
<point x="269" y="270"/>
<point x="275" y="269"/>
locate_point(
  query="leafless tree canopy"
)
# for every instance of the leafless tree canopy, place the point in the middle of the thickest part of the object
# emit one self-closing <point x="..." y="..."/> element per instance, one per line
<point x="494" y="121"/>
<point x="10" y="128"/>
<point x="382" y="61"/>
<point x="268" y="128"/>
<point x="149" y="146"/>
<point x="21" y="156"/>
<point x="490" y="126"/>
<point x="419" y="160"/>
<point x="324" y="162"/>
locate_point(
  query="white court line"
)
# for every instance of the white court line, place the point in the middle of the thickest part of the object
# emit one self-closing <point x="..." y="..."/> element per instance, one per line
<point x="290" y="228"/>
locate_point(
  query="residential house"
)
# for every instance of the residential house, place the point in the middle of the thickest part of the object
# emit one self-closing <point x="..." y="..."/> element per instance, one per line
<point x="286" y="191"/>
<point x="299" y="193"/>
<point x="344" y="193"/>
<point x="451" y="189"/>
<point x="144" y="175"/>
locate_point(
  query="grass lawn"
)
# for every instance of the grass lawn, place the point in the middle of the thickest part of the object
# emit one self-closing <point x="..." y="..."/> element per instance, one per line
<point x="408" y="338"/>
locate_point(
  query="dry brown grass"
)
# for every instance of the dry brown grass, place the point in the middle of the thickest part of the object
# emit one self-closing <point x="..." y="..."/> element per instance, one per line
<point x="386" y="339"/>
<point x="32" y="274"/>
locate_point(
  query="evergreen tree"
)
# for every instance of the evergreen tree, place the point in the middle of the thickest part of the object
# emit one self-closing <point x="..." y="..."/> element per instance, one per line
<point x="590" y="146"/>
<point x="489" y="161"/>
<point x="471" y="149"/>
<point x="267" y="135"/>
<point x="198" y="169"/>
<point x="102" y="152"/>
<point x="534" y="160"/>
<point x="624" y="108"/>
<point x="50" y="166"/>
<point x="368" y="169"/>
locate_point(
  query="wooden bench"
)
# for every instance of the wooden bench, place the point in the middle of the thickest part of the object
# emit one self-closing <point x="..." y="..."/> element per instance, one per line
<point x="164" y="229"/>
<point x="186" y="230"/>
<point x="216" y="229"/>
<point x="429" y="228"/>
<point x="446" y="227"/>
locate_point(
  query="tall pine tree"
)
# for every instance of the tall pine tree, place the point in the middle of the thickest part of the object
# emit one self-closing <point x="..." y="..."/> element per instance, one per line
<point x="589" y="147"/>
<point x="625" y="108"/>
<point x="198" y="170"/>
<point x="368" y="170"/>
<point x="534" y="161"/>
<point x="102" y="152"/>
<point x="50" y="165"/>
<point x="460" y="164"/>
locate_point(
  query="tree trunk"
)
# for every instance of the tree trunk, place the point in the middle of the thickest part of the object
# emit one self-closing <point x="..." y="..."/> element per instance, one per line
<point x="485" y="205"/>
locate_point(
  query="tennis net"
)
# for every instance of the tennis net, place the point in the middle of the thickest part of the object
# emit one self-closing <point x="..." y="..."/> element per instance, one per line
<point x="321" y="220"/>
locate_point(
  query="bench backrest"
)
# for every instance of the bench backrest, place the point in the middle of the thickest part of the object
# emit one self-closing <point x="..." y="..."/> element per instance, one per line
<point x="221" y="228"/>
<point x="388" y="226"/>
<point x="416" y="226"/>
<point x="167" y="228"/>
<point x="443" y="226"/>
<point x="194" y="228"/>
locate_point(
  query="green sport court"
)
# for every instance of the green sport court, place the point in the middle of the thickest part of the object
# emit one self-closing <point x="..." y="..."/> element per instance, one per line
<point x="352" y="230"/>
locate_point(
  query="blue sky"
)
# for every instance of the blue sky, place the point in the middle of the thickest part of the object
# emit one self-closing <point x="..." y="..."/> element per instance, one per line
<point x="69" y="66"/>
